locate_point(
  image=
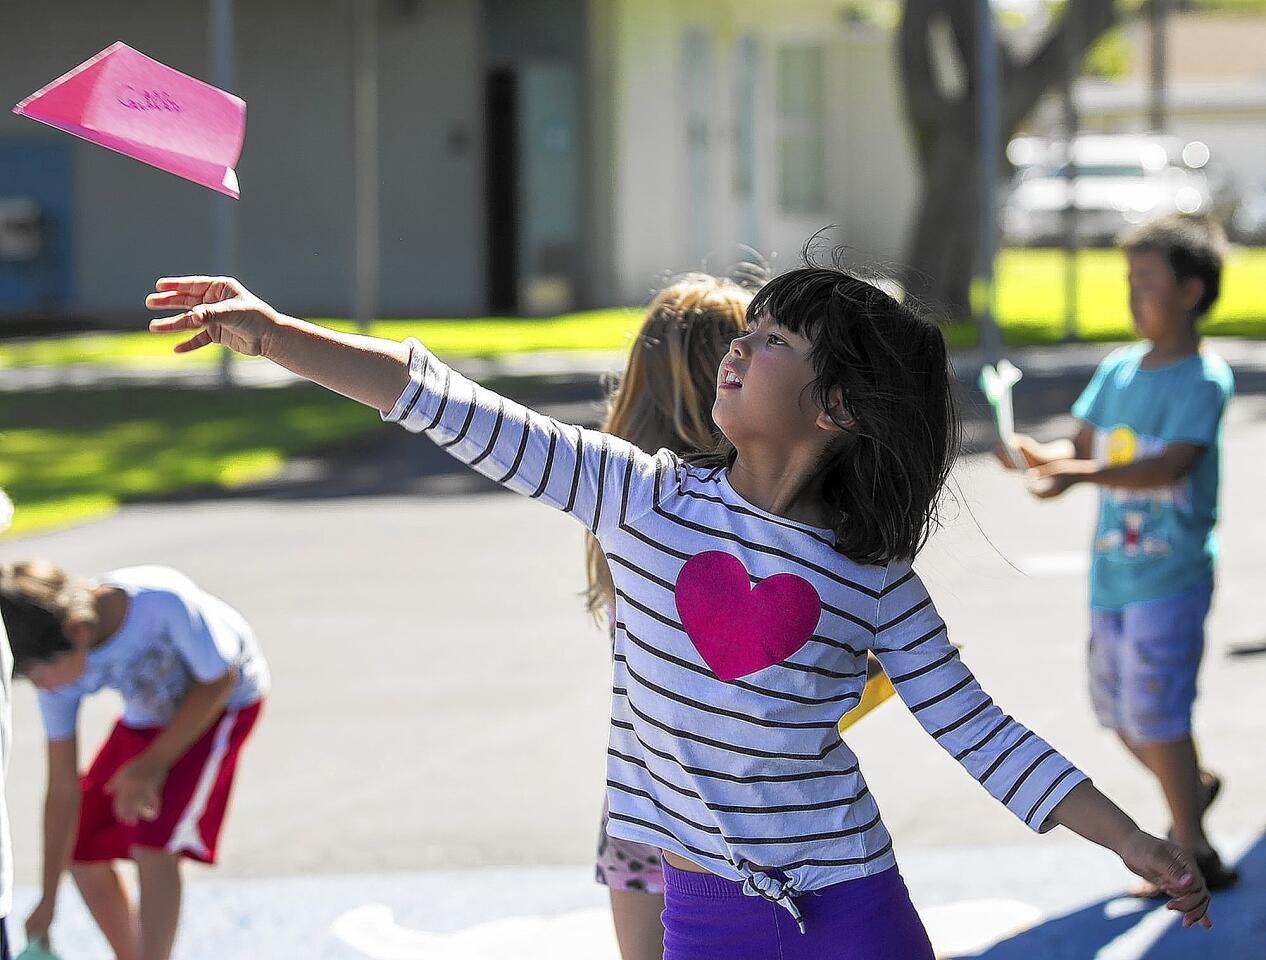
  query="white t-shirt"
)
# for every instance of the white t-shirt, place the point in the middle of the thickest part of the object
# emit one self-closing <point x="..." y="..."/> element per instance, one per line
<point x="174" y="633"/>
<point x="6" y="744"/>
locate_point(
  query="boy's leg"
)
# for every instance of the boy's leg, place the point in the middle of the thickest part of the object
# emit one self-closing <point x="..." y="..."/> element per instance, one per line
<point x="1175" y="765"/>
<point x="107" y="900"/>
<point x="101" y="840"/>
<point x="1210" y="783"/>
<point x="160" y="901"/>
<point x="194" y="801"/>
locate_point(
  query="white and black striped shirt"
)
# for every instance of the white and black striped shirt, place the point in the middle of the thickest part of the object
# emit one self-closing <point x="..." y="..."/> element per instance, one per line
<point x="723" y="744"/>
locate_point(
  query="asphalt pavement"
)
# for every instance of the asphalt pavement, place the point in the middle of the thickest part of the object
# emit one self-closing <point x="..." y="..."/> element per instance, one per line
<point x="426" y="780"/>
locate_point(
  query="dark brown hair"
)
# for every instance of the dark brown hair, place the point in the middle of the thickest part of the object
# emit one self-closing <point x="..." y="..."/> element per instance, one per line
<point x="36" y="600"/>
<point x="890" y="364"/>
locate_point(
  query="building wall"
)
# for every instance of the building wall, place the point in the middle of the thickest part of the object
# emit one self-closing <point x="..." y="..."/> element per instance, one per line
<point x="129" y="223"/>
<point x="649" y="210"/>
<point x="431" y="127"/>
<point x="660" y="216"/>
<point x="294" y="223"/>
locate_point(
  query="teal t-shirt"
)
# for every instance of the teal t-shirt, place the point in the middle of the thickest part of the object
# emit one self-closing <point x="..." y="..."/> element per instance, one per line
<point x="1155" y="543"/>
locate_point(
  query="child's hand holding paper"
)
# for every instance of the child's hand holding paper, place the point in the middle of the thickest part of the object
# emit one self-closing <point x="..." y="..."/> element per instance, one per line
<point x="996" y="384"/>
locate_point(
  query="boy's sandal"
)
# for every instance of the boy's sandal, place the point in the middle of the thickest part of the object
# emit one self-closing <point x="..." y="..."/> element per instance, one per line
<point x="1212" y="787"/>
<point x="1217" y="875"/>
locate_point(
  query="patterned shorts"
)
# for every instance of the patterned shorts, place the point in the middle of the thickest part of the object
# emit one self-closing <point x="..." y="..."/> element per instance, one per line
<point x="626" y="865"/>
<point x="1143" y="664"/>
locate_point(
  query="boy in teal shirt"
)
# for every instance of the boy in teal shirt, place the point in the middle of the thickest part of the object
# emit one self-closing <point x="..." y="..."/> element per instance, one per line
<point x="1150" y="439"/>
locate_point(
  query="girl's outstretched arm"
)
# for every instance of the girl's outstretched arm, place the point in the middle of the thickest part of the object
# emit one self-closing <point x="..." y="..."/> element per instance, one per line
<point x="1088" y="812"/>
<point x="221" y="310"/>
<point x="1018" y="768"/>
<point x="599" y="479"/>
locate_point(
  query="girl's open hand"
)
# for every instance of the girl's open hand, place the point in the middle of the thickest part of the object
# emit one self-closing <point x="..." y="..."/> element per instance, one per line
<point x="219" y="308"/>
<point x="1173" y="870"/>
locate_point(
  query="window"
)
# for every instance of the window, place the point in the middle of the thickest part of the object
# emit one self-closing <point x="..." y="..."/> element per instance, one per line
<point x="801" y="116"/>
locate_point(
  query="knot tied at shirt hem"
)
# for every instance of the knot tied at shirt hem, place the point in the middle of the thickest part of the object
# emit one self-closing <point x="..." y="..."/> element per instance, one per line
<point x="757" y="883"/>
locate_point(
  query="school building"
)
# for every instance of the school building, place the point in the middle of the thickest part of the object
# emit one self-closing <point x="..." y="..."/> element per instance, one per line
<point x="533" y="155"/>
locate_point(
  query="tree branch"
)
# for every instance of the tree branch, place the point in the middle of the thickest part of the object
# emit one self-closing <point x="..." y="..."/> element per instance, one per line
<point x="1024" y="85"/>
<point x="962" y="21"/>
<point x="924" y="99"/>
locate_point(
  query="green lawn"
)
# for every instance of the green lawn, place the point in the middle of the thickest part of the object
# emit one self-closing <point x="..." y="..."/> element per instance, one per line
<point x="1031" y="296"/>
<point x="610" y="329"/>
<point x="73" y="455"/>
<point x="1030" y="305"/>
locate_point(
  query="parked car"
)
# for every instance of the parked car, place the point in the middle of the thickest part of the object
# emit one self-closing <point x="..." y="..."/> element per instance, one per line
<point x="1120" y="180"/>
<point x="1249" y="223"/>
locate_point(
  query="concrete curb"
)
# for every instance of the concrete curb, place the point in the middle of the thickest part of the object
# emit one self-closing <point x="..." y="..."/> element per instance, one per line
<point x="1065" y="361"/>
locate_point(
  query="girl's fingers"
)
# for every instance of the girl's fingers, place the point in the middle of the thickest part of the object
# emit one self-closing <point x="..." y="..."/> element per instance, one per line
<point x="1188" y="903"/>
<point x="194" y="285"/>
<point x="171" y="300"/>
<point x="183" y="321"/>
<point x="200" y="339"/>
<point x="1194" y="909"/>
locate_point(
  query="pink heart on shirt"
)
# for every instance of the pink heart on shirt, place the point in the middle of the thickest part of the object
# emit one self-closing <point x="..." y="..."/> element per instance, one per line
<point x="739" y="629"/>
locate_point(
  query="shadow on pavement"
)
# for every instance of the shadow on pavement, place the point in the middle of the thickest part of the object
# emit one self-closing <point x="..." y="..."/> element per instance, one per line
<point x="389" y="462"/>
<point x="1239" y="930"/>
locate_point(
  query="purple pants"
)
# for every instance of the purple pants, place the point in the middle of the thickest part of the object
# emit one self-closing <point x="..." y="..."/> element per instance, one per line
<point x="710" y="918"/>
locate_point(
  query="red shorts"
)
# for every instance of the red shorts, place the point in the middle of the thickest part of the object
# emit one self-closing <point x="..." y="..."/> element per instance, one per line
<point x="194" y="797"/>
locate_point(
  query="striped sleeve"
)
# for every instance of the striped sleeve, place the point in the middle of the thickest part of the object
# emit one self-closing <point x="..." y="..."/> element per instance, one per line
<point x="599" y="479"/>
<point x="1016" y="766"/>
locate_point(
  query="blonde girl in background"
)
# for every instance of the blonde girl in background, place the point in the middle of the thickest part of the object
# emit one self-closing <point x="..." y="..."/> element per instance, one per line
<point x="662" y="400"/>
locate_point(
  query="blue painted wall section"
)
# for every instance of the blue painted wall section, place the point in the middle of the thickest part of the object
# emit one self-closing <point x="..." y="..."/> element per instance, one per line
<point x="35" y="258"/>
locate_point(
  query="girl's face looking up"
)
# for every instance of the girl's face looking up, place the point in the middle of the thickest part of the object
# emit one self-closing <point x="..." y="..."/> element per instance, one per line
<point x="764" y="388"/>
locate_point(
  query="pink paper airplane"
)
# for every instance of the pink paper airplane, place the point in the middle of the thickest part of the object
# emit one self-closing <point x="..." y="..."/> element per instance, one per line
<point x="129" y="103"/>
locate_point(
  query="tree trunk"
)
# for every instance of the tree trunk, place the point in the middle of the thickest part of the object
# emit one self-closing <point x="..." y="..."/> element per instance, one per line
<point x="943" y="245"/>
<point x="944" y="240"/>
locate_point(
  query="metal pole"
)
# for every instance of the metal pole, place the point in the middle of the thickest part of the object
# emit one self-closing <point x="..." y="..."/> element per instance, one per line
<point x="1159" y="15"/>
<point x="223" y="211"/>
<point x="987" y="151"/>
<point x="365" y="155"/>
<point x="1072" y="124"/>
